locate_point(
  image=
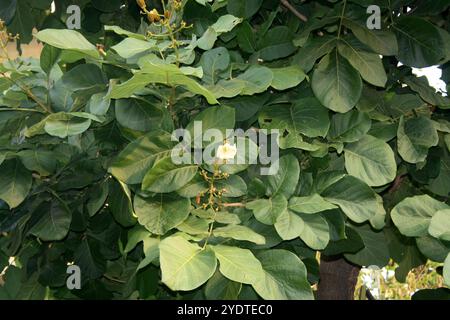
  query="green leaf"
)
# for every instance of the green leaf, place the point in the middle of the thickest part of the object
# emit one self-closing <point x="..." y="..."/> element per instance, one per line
<point x="165" y="176"/>
<point x="267" y="211"/>
<point x="87" y="256"/>
<point x="87" y="78"/>
<point x="246" y="37"/>
<point x="97" y="198"/>
<point x="244" y="9"/>
<point x="276" y="44"/>
<point x="138" y="114"/>
<point x="213" y="62"/>
<point x="446" y="271"/>
<point x="412" y="216"/>
<point x="313" y="50"/>
<point x="185" y="266"/>
<point x="49" y="57"/>
<point x="255" y="80"/>
<point x="306" y="116"/>
<point x="239" y="232"/>
<point x="238" y="264"/>
<point x="155" y="72"/>
<point x="7" y="10"/>
<point x="130" y="47"/>
<point x="349" y="127"/>
<point x="336" y="83"/>
<point x="419" y="42"/>
<point x="285" y="180"/>
<point x="380" y="41"/>
<point x="371" y="160"/>
<point x="139" y="156"/>
<point x="415" y="137"/>
<point x="285" y="277"/>
<point x="310" y="204"/>
<point x="368" y="64"/>
<point x="68" y="40"/>
<point x="287" y="77"/>
<point x="15" y="182"/>
<point x="120" y="204"/>
<point x="162" y="212"/>
<point x="289" y="225"/>
<point x="63" y="125"/>
<point x="354" y="197"/>
<point x="23" y="22"/>
<point x="40" y="161"/>
<point x="375" y="251"/>
<point x="315" y="232"/>
<point x="220" y="288"/>
<point x="440" y="225"/>
<point x="54" y="221"/>
<point x="427" y="92"/>
<point x="219" y="118"/>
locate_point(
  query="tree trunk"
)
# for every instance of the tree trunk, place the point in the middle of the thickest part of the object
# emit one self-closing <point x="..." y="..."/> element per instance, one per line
<point x="337" y="279"/>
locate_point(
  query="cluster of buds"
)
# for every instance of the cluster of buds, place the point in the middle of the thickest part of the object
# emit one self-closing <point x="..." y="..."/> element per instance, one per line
<point x="153" y="15"/>
<point x="212" y="196"/>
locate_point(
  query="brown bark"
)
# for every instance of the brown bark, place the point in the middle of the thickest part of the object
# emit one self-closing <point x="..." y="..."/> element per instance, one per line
<point x="338" y="279"/>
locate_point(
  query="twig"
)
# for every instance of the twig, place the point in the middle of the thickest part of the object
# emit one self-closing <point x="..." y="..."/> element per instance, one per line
<point x="397" y="182"/>
<point x="234" y="204"/>
<point x="299" y="15"/>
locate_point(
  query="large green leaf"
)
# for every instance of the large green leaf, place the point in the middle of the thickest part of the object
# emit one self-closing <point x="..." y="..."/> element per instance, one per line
<point x="336" y="83"/>
<point x="354" y="197"/>
<point x="68" y="40"/>
<point x="287" y="77"/>
<point x="244" y="9"/>
<point x="349" y="127"/>
<point x="140" y="155"/>
<point x="371" y="160"/>
<point x="440" y="225"/>
<point x="213" y="62"/>
<point x="219" y="118"/>
<point x="15" y="182"/>
<point x="238" y="264"/>
<point x="419" y="42"/>
<point x="315" y="232"/>
<point x="285" y="276"/>
<point x="54" y="221"/>
<point x="220" y="288"/>
<point x="446" y="271"/>
<point x="130" y="47"/>
<point x="154" y="71"/>
<point x="375" y="251"/>
<point x="381" y="41"/>
<point x="165" y="176"/>
<point x="161" y="213"/>
<point x="289" y="225"/>
<point x="267" y="211"/>
<point x="306" y="116"/>
<point x="310" y="204"/>
<point x="137" y="114"/>
<point x="412" y="216"/>
<point x="415" y="137"/>
<point x="285" y="180"/>
<point x="185" y="266"/>
<point x="239" y="232"/>
<point x="368" y="64"/>
<point x="276" y="44"/>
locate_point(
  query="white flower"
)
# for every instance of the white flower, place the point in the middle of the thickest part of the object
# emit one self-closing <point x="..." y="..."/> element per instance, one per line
<point x="226" y="151"/>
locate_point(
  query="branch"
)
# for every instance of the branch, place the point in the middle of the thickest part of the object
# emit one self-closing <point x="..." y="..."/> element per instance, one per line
<point x="234" y="204"/>
<point x="299" y="15"/>
<point x="397" y="182"/>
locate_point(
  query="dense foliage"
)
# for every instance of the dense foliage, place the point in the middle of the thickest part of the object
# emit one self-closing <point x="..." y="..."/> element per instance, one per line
<point x="87" y="178"/>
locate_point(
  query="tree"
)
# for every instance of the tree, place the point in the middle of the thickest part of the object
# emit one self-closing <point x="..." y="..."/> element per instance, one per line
<point x="87" y="170"/>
